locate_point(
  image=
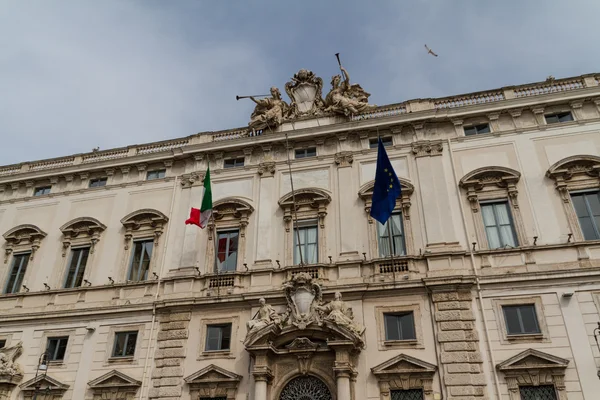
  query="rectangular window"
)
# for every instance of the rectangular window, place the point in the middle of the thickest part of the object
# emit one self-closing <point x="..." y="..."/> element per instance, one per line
<point x="56" y="347"/>
<point x="410" y="394"/>
<point x="477" y="129"/>
<point x="158" y="174"/>
<point x="228" y="249"/>
<point x="308" y="245"/>
<point x="77" y="265"/>
<point x="233" y="162"/>
<point x="558" y="117"/>
<point x="399" y="326"/>
<point x="587" y="208"/>
<point x="40" y="191"/>
<point x="387" y="141"/>
<point x="99" y="182"/>
<point x="17" y="272"/>
<point x="218" y="337"/>
<point x="140" y="260"/>
<point x="304" y="153"/>
<point x="521" y="320"/>
<point x="397" y="230"/>
<point x="125" y="344"/>
<point x="542" y="392"/>
<point x="499" y="227"/>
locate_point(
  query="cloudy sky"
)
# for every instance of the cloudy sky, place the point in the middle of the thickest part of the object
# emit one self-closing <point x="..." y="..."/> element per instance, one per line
<point x="78" y="74"/>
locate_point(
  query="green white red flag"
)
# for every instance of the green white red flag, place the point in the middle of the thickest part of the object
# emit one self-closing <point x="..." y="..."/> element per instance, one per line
<point x="201" y="216"/>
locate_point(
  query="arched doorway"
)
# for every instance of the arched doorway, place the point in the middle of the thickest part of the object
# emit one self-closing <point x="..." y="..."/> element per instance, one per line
<point x="305" y="388"/>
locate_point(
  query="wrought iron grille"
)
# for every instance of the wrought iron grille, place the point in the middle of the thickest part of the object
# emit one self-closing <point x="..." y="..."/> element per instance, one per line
<point x="305" y="388"/>
<point x="411" y="394"/>
<point x="545" y="392"/>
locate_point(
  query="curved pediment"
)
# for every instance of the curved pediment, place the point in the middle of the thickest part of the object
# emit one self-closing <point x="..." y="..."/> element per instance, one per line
<point x="24" y="232"/>
<point x="366" y="190"/>
<point x="493" y="175"/>
<point x="306" y="196"/>
<point x="145" y="216"/>
<point x="87" y="225"/>
<point x="575" y="165"/>
<point x="234" y="207"/>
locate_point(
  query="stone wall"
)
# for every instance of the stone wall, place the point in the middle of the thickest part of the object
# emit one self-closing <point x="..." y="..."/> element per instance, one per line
<point x="167" y="377"/>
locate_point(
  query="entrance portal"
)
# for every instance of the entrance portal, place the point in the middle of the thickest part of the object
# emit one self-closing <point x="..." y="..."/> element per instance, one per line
<point x="305" y="388"/>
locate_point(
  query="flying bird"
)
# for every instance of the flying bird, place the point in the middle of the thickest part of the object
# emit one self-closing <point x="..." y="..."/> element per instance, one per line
<point x="430" y="51"/>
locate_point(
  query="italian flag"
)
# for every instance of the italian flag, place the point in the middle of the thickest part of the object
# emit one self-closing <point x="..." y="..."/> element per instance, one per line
<point x="201" y="216"/>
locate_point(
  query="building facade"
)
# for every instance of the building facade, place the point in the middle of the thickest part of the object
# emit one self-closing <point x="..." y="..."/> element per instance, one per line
<point x="485" y="284"/>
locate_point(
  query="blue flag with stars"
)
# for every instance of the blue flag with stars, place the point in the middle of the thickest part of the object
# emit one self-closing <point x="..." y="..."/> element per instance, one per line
<point x="386" y="189"/>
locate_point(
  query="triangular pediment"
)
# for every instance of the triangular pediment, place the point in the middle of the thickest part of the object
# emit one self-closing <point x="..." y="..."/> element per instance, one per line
<point x="531" y="358"/>
<point x="45" y="382"/>
<point x="114" y="379"/>
<point x="403" y="364"/>
<point x="213" y="374"/>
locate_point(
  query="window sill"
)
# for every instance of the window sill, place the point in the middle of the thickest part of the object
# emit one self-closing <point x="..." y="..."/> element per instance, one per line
<point x="525" y="336"/>
<point x="217" y="354"/>
<point x="121" y="360"/>
<point x="400" y="342"/>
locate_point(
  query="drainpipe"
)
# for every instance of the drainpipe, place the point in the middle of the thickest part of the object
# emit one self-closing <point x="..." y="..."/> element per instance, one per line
<point x="151" y="345"/>
<point x="476" y="273"/>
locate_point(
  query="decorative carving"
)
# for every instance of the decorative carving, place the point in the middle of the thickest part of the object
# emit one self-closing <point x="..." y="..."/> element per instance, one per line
<point x="302" y="343"/>
<point x="491" y="178"/>
<point x="265" y="316"/>
<point x="404" y="372"/>
<point x="10" y="371"/>
<point x="346" y="99"/>
<point x="426" y="148"/>
<point x="83" y="229"/>
<point x="144" y="219"/>
<point x="51" y="387"/>
<point x="338" y="312"/>
<point x="308" y="199"/>
<point x="27" y="237"/>
<point x="188" y="180"/>
<point x="266" y="167"/>
<point x="306" y="388"/>
<point x="269" y="112"/>
<point x="114" y="385"/>
<point x="303" y="297"/>
<point x="305" y="92"/>
<point x="344" y="158"/>
<point x="213" y="382"/>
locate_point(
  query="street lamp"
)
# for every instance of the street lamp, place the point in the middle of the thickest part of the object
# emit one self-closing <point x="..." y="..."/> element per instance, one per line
<point x="596" y="336"/>
<point x="43" y="367"/>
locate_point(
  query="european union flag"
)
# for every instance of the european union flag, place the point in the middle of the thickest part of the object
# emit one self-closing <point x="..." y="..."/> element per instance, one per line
<point x="386" y="189"/>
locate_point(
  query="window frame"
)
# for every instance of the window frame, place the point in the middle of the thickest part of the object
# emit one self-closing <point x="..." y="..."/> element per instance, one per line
<point x="383" y="343"/>
<point x="237" y="252"/>
<point x="478" y="129"/>
<point x="10" y="272"/>
<point x="159" y="174"/>
<point x="69" y="264"/>
<point x="493" y="203"/>
<point x="304" y="226"/>
<point x="595" y="225"/>
<point x="505" y="338"/>
<point x="388" y="141"/>
<point x="127" y="334"/>
<point x="3" y="343"/>
<point x="132" y="256"/>
<point x="304" y="153"/>
<point x="236" y="161"/>
<point x="399" y="315"/>
<point x="44" y="189"/>
<point x="380" y="238"/>
<point x="520" y="319"/>
<point x="93" y="183"/>
<point x="558" y="115"/>
<point x="221" y="336"/>
<point x="59" y="339"/>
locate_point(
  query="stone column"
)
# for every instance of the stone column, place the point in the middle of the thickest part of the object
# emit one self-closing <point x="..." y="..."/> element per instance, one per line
<point x="343" y="368"/>
<point x="260" y="388"/>
<point x="342" y="381"/>
<point x="460" y="355"/>
<point x="267" y="207"/>
<point x="262" y="375"/>
<point x="348" y="214"/>
<point x="167" y="378"/>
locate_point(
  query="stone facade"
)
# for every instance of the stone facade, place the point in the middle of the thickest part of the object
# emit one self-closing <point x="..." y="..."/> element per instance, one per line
<point x="109" y="333"/>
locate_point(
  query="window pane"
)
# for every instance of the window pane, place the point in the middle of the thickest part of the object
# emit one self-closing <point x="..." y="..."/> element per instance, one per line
<point x="392" y="329"/>
<point x="77" y="265"/>
<point x="407" y="323"/>
<point x="589" y="226"/>
<point x="471" y="130"/>
<point x="565" y="117"/>
<point x="308" y="236"/>
<point x="543" y="392"/>
<point x="119" y="349"/>
<point x="512" y="320"/>
<point x="213" y="337"/>
<point x="98" y="182"/>
<point x="17" y="273"/>
<point x="410" y="394"/>
<point x="551" y="119"/>
<point x="140" y="261"/>
<point x="131" y="341"/>
<point x="529" y="319"/>
<point x="484" y="128"/>
<point x="225" y="337"/>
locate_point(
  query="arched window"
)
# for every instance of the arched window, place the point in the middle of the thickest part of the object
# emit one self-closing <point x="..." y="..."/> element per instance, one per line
<point x="229" y="227"/>
<point x="577" y="179"/>
<point x="399" y="224"/>
<point x="493" y="195"/>
<point x="144" y="228"/>
<point x="22" y="241"/>
<point x="307" y="244"/>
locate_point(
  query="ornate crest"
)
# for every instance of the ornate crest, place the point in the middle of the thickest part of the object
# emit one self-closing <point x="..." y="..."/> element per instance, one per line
<point x="10" y="371"/>
<point x="303" y="296"/>
<point x="305" y="92"/>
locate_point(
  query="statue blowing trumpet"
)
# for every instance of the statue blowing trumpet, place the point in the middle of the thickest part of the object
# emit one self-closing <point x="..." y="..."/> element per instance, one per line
<point x="247" y="97"/>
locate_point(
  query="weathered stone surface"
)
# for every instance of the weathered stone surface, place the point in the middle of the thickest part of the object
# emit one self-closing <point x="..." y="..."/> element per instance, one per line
<point x="456" y="325"/>
<point x="170" y="391"/>
<point x="460" y="346"/>
<point x="168" y="362"/>
<point x="454" y="305"/>
<point x="451" y="296"/>
<point x="454" y="315"/>
<point x="163" y="344"/>
<point x="467" y="391"/>
<point x="464" y="379"/>
<point x="167" y="371"/>
<point x="168" y="335"/>
<point x="463" y="368"/>
<point x="169" y="326"/>
<point x="184" y="316"/>
<point x="451" y="336"/>
<point x="461" y="357"/>
<point x="169" y="382"/>
<point x="175" y="352"/>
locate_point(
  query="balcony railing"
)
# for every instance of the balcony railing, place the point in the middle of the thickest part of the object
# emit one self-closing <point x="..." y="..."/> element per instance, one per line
<point x="469" y="100"/>
<point x="550" y="87"/>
